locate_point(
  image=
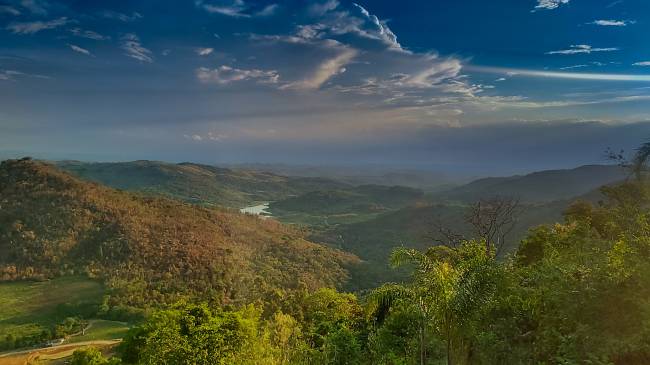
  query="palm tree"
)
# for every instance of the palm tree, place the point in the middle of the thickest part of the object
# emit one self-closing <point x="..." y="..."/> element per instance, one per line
<point x="449" y="287"/>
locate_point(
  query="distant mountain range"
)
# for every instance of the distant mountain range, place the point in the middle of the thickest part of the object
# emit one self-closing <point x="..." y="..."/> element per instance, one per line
<point x="540" y="186"/>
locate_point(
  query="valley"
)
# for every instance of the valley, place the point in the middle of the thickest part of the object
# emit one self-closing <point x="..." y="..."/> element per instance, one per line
<point x="96" y="255"/>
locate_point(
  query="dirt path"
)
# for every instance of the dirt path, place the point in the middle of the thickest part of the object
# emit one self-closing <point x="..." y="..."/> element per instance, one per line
<point x="17" y="357"/>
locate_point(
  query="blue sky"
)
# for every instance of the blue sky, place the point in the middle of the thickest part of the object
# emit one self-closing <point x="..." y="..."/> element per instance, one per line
<point x="512" y="85"/>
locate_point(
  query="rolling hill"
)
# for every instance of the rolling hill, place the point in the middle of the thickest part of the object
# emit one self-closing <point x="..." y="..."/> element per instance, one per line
<point x="198" y="183"/>
<point x="538" y="187"/>
<point x="363" y="199"/>
<point x="149" y="250"/>
<point x="415" y="227"/>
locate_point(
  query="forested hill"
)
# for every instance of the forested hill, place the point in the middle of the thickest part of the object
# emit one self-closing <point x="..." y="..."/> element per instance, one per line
<point x="198" y="183"/>
<point x="149" y="250"/>
<point x="542" y="186"/>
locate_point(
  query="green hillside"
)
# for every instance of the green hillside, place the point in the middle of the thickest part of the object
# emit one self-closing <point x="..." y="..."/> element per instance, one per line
<point x="416" y="227"/>
<point x="149" y="251"/>
<point x="198" y="183"/>
<point x="327" y="207"/>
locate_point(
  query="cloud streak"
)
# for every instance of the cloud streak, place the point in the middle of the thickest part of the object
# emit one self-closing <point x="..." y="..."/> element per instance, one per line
<point x="89" y="34"/>
<point x="80" y="50"/>
<point x="326" y="70"/>
<point x="550" y="4"/>
<point x="204" y="51"/>
<point x="133" y="48"/>
<point x="582" y="49"/>
<point x="37" y="26"/>
<point x="612" y="23"/>
<point x="114" y="15"/>
<point x="562" y="75"/>
<point x="224" y="75"/>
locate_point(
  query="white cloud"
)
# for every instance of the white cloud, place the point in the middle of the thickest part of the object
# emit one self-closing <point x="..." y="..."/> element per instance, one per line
<point x="11" y="75"/>
<point x="78" y="32"/>
<point x="233" y="8"/>
<point x="210" y="136"/>
<point x="109" y="14"/>
<point x="550" y="4"/>
<point x="37" y="26"/>
<point x="642" y="63"/>
<point x="573" y="67"/>
<point x="6" y="9"/>
<point x="80" y="50"/>
<point x="134" y="49"/>
<point x="325" y="71"/>
<point x="37" y="7"/>
<point x="563" y="75"/>
<point x="319" y="9"/>
<point x="582" y="48"/>
<point x="268" y="10"/>
<point x="434" y="74"/>
<point x="613" y="23"/>
<point x="383" y="32"/>
<point x="204" y="51"/>
<point x="500" y="79"/>
<point x="225" y="75"/>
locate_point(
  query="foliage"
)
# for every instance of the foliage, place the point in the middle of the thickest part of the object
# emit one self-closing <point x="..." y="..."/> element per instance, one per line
<point x="148" y="251"/>
<point x="91" y="356"/>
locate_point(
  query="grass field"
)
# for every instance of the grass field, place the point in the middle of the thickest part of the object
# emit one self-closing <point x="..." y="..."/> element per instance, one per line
<point x="102" y="330"/>
<point x="29" y="307"/>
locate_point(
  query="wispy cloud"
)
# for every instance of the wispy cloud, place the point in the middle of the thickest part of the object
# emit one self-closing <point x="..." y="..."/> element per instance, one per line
<point x="642" y="63"/>
<point x="234" y="8"/>
<point x="6" y="9"/>
<point x="37" y="26"/>
<point x="80" y="50"/>
<point x="582" y="49"/>
<point x="89" y="34"/>
<point x="204" y="51"/>
<point x="613" y="23"/>
<point x="383" y="32"/>
<point x="134" y="49"/>
<point x="573" y="67"/>
<point x="435" y="74"/>
<point x="320" y="8"/>
<point x="326" y="70"/>
<point x="550" y="4"/>
<point x="225" y="75"/>
<point x="38" y="7"/>
<point x="110" y="14"/>
<point x="268" y="10"/>
<point x="561" y="75"/>
<point x="11" y="75"/>
<point x="210" y="136"/>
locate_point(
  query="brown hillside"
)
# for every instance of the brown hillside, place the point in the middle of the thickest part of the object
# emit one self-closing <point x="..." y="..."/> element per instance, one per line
<point x="150" y="250"/>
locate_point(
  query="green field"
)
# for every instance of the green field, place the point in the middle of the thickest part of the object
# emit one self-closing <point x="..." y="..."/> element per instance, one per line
<point x="103" y="330"/>
<point x="29" y="307"/>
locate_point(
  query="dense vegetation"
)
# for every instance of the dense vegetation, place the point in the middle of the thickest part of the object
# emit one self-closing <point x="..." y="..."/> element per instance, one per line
<point x="211" y="286"/>
<point x="149" y="251"/>
<point x="573" y="293"/>
<point x="197" y="183"/>
<point x="360" y="199"/>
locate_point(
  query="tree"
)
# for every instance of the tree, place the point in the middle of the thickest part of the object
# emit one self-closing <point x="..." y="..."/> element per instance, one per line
<point x="91" y="356"/>
<point x="449" y="289"/>
<point x="194" y="334"/>
<point x="493" y="219"/>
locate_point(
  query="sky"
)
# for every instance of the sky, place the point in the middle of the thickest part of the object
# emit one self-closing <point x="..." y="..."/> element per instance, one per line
<point x="513" y="85"/>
